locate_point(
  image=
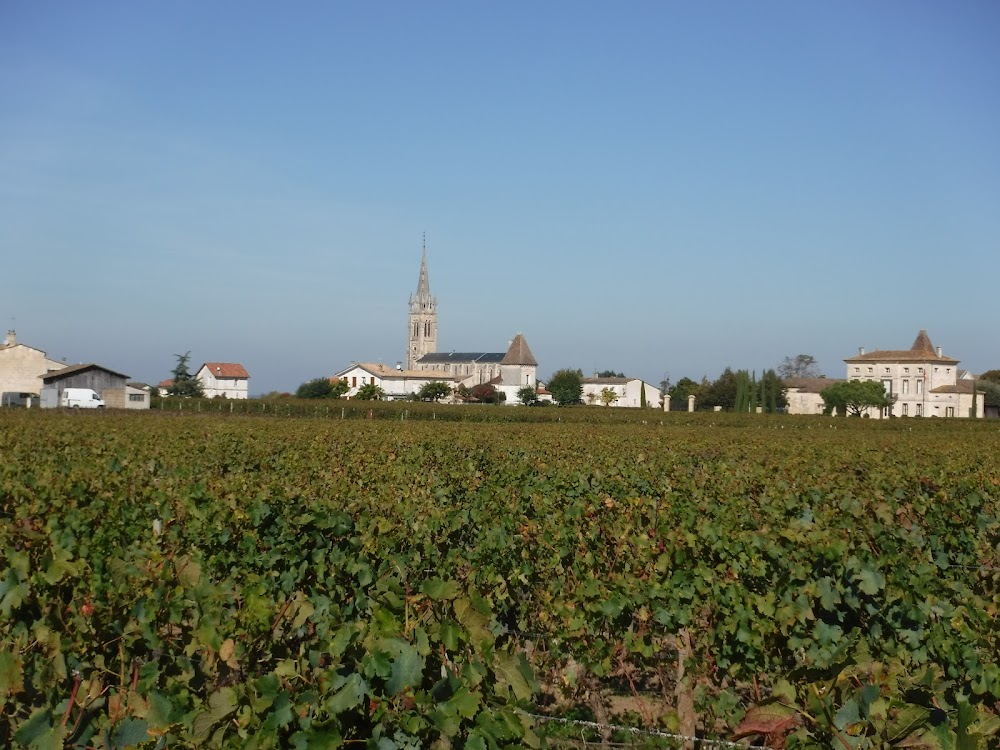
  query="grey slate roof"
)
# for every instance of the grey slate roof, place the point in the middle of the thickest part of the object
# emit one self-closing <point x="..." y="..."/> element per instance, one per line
<point x="448" y="357"/>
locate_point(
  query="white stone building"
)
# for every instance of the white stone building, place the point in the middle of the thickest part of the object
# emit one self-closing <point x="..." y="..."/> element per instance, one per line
<point x="628" y="392"/>
<point x="802" y="394"/>
<point x="22" y="367"/>
<point x="922" y="380"/>
<point x="224" y="379"/>
<point x="395" y="382"/>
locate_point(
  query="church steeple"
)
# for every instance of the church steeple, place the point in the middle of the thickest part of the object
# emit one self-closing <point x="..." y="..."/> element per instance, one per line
<point x="422" y="322"/>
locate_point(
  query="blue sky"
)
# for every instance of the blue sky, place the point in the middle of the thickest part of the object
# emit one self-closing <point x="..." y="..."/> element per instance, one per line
<point x="650" y="187"/>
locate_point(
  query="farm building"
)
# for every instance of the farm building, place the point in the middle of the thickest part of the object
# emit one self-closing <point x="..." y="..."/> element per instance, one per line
<point x="138" y="396"/>
<point x="109" y="385"/>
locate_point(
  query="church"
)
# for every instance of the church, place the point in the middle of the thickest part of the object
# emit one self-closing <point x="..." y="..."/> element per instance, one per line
<point x="507" y="371"/>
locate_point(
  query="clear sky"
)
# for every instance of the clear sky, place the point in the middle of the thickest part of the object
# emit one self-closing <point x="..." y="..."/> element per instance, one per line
<point x="653" y="187"/>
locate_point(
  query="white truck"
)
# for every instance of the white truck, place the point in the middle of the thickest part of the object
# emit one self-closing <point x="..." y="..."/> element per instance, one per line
<point x="81" y="398"/>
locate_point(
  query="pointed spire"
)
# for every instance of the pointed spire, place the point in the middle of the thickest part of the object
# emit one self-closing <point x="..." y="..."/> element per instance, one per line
<point x="421" y="300"/>
<point x="423" y="283"/>
<point x="518" y="353"/>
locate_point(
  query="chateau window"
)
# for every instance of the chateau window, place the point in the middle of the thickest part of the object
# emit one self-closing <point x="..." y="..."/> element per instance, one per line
<point x="871" y="370"/>
<point x="920" y="370"/>
<point x="887" y="370"/>
<point x="920" y="410"/>
<point x="920" y="387"/>
<point x="949" y="411"/>
<point x="354" y="381"/>
<point x="857" y="369"/>
<point x="906" y="370"/>
<point x="906" y="387"/>
<point x="906" y="409"/>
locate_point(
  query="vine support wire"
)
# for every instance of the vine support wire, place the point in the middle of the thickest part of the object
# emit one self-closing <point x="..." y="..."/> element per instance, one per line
<point x="645" y="732"/>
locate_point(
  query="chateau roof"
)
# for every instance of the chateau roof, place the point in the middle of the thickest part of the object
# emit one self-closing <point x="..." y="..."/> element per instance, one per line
<point x="606" y="381"/>
<point x="921" y="351"/>
<point x="962" y="386"/>
<point x="518" y="353"/>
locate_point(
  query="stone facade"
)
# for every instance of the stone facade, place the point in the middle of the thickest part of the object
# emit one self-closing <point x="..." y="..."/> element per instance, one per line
<point x="22" y="367"/>
<point x="923" y="381"/>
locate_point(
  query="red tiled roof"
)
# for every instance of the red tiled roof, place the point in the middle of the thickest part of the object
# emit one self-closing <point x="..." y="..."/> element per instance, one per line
<point x="226" y="369"/>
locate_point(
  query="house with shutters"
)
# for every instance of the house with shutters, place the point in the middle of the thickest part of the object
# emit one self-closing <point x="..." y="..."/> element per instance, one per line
<point x="224" y="380"/>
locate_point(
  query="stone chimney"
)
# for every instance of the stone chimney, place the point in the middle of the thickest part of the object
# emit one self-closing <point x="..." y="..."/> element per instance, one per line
<point x="861" y="350"/>
<point x="939" y="352"/>
<point x="11" y="338"/>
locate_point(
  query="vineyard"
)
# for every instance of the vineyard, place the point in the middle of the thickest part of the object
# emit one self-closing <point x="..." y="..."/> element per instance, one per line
<point x="184" y="579"/>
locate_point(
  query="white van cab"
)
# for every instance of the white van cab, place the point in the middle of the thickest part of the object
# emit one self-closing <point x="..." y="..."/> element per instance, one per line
<point x="81" y="398"/>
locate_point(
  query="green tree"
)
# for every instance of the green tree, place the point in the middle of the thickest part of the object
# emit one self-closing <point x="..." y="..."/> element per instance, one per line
<point x="608" y="396"/>
<point x="799" y="366"/>
<point x="854" y="397"/>
<point x="990" y="390"/>
<point x="435" y="391"/>
<point x="566" y="387"/>
<point x="486" y="393"/>
<point x="322" y="388"/>
<point x="369" y="392"/>
<point x="642" y="395"/>
<point x="991" y="375"/>
<point x="185" y="384"/>
<point x="774" y="387"/>
<point x="722" y="391"/>
<point x="527" y="395"/>
<point x="610" y="374"/>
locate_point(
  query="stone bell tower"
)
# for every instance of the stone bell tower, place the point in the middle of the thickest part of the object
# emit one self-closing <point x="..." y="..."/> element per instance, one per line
<point x="423" y="318"/>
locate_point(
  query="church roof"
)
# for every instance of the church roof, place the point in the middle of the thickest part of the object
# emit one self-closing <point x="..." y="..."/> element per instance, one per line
<point x="518" y="353"/>
<point x="921" y="351"/>
<point x="434" y="358"/>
